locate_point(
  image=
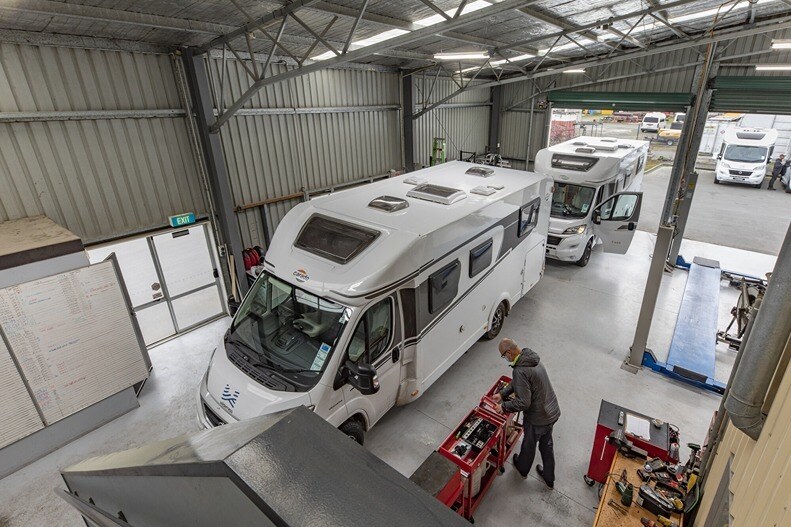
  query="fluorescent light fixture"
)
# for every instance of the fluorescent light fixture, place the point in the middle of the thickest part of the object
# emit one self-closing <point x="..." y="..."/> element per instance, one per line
<point x="577" y="70"/>
<point x="707" y="13"/>
<point x="781" y="44"/>
<point x="512" y="59"/>
<point x="773" y="67"/>
<point x="571" y="45"/>
<point x="436" y="19"/>
<point x="464" y="55"/>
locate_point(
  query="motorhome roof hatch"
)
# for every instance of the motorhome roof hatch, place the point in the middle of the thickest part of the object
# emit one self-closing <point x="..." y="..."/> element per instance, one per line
<point x="754" y="135"/>
<point x="585" y="150"/>
<point x="480" y="171"/>
<point x="388" y="203"/>
<point x="414" y="180"/>
<point x="333" y="239"/>
<point x="483" y="190"/>
<point x="437" y="194"/>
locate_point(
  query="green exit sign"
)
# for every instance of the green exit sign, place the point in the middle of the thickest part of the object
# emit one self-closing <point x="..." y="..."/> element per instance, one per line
<point x="180" y="220"/>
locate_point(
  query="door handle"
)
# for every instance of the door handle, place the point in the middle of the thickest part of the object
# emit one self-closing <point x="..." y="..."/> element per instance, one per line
<point x="631" y="226"/>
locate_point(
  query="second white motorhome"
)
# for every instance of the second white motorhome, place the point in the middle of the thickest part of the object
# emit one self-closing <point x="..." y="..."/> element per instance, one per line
<point x="744" y="154"/>
<point x="590" y="172"/>
<point x="369" y="295"/>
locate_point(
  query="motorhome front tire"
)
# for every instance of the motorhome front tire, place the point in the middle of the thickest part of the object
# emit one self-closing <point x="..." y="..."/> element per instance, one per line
<point x="586" y="254"/>
<point x="354" y="429"/>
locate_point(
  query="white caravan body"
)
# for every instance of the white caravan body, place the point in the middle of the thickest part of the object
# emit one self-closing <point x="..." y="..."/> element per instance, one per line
<point x="370" y="294"/>
<point x="653" y="122"/>
<point x="588" y="172"/>
<point x="744" y="154"/>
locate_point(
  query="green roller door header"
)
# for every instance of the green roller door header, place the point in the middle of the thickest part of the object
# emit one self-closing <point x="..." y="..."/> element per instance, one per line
<point x="752" y="94"/>
<point x="629" y="101"/>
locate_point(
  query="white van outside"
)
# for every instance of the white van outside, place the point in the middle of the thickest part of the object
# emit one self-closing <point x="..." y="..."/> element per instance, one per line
<point x="653" y="122"/>
<point x="369" y="295"/>
<point x="744" y="154"/>
<point x="588" y="172"/>
<point x="679" y="117"/>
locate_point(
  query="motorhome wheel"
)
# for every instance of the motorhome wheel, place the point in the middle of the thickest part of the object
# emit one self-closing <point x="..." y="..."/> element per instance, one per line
<point x="586" y="254"/>
<point x="497" y="322"/>
<point x="354" y="429"/>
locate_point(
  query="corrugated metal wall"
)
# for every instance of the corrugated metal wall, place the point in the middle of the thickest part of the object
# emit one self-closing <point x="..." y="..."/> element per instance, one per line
<point x="760" y="479"/>
<point x="99" y="177"/>
<point x="353" y="132"/>
<point x="465" y="127"/>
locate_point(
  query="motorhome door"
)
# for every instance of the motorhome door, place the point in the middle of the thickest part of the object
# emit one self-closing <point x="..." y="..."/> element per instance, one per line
<point x="615" y="221"/>
<point x="377" y="341"/>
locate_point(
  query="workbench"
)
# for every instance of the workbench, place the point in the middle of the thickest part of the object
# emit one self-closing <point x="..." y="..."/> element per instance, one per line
<point x="606" y="516"/>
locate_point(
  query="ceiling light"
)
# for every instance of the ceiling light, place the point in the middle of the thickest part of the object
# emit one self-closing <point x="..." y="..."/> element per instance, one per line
<point x="571" y="45"/>
<point x="512" y="59"/>
<point x="380" y="37"/>
<point x="465" y="55"/>
<point x="781" y="44"/>
<point x="573" y="70"/>
<point x="774" y="67"/>
<point x="722" y="10"/>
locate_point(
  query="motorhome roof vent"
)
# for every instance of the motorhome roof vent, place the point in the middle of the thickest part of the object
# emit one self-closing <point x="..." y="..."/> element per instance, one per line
<point x="754" y="135"/>
<point x="622" y="145"/>
<point x="608" y="140"/>
<point x="579" y="143"/>
<point x="437" y="194"/>
<point x="606" y="148"/>
<point x="414" y="180"/>
<point x="483" y="190"/>
<point x="585" y="150"/>
<point x="480" y="171"/>
<point x="388" y="203"/>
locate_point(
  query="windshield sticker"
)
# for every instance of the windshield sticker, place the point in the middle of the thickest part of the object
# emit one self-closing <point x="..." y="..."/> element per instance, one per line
<point x="585" y="208"/>
<point x="321" y="356"/>
<point x="301" y="275"/>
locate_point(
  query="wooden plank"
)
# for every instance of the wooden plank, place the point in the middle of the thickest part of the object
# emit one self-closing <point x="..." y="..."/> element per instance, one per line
<point x="607" y="516"/>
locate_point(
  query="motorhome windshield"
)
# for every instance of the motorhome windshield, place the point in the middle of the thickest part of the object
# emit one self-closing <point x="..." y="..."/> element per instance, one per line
<point x="286" y="329"/>
<point x="746" y="154"/>
<point x="651" y="120"/>
<point x="571" y="201"/>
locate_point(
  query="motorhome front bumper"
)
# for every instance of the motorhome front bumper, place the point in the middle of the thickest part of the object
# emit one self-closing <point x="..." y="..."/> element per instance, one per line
<point x="210" y="412"/>
<point x="565" y="248"/>
<point x="740" y="176"/>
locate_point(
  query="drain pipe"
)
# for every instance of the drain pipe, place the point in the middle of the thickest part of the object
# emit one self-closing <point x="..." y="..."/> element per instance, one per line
<point x="763" y="349"/>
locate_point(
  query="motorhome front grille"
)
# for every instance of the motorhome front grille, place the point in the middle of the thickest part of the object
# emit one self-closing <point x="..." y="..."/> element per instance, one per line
<point x="253" y="372"/>
<point x="554" y="240"/>
<point x="213" y="418"/>
<point x="740" y="172"/>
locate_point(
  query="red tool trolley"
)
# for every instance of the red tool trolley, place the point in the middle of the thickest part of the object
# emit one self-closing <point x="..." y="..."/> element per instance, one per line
<point x="480" y="446"/>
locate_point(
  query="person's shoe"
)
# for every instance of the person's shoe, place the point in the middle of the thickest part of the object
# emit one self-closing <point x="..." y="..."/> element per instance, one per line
<point x="523" y="476"/>
<point x="770" y="188"/>
<point x="540" y="470"/>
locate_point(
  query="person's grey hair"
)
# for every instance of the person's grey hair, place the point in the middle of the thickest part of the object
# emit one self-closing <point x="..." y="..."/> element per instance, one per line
<point x="507" y="344"/>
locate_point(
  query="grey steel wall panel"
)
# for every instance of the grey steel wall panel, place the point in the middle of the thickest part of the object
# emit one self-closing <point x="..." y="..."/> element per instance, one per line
<point x="513" y="136"/>
<point x="463" y="129"/>
<point x="100" y="178"/>
<point x="270" y="156"/>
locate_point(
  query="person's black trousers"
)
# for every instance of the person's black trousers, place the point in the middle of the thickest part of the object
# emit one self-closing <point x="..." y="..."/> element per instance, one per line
<point x="541" y="435"/>
<point x="772" y="180"/>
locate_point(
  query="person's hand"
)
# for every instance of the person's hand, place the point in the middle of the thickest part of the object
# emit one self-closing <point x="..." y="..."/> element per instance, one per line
<point x="499" y="409"/>
<point x="497" y="398"/>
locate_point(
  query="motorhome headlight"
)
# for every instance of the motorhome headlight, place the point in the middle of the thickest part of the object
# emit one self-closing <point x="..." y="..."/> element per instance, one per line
<point x="760" y="168"/>
<point x="725" y="165"/>
<point x="579" y="229"/>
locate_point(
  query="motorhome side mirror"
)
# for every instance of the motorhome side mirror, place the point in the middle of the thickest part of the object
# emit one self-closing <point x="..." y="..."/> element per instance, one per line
<point x="362" y="377"/>
<point x="596" y="218"/>
<point x="719" y="156"/>
<point x="233" y="306"/>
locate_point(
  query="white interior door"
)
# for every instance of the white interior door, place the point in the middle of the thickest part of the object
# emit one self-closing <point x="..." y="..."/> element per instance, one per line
<point x="190" y="275"/>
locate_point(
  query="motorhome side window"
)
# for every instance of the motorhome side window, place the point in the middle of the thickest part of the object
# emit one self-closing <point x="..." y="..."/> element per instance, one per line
<point x="480" y="257"/>
<point x="578" y="163"/>
<point x="333" y="239"/>
<point x="373" y="334"/>
<point x="443" y="286"/>
<point x="528" y="217"/>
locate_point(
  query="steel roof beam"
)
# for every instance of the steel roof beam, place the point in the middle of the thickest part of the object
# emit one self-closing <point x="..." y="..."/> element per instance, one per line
<point x="259" y="22"/>
<point x="414" y="36"/>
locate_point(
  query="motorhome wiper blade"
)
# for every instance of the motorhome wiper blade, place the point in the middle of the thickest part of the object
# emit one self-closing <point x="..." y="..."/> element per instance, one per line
<point x="283" y="369"/>
<point x="244" y="344"/>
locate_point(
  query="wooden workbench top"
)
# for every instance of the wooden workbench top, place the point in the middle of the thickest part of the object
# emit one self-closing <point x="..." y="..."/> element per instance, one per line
<point x="606" y="516"/>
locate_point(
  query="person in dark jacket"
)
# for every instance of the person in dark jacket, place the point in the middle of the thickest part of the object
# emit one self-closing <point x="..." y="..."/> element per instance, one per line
<point x="534" y="397"/>
<point x="778" y="171"/>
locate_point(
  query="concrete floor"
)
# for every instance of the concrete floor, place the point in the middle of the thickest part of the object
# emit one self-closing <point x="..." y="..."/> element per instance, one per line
<point x="726" y="214"/>
<point x="581" y="322"/>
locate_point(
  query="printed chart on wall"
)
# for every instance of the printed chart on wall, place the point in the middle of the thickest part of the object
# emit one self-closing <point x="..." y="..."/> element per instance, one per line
<point x="17" y="411"/>
<point x="73" y="338"/>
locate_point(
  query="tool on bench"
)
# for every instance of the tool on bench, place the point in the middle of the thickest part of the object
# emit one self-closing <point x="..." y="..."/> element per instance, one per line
<point x="624" y="445"/>
<point x="612" y="503"/>
<point x="649" y="499"/>
<point x="661" y="520"/>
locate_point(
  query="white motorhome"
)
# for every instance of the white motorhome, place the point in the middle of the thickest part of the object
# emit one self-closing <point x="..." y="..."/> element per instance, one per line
<point x="653" y="122"/>
<point x="589" y="172"/>
<point x="368" y="295"/>
<point x="744" y="154"/>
